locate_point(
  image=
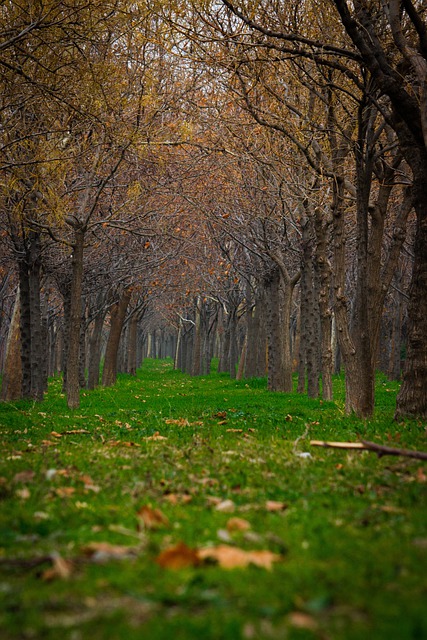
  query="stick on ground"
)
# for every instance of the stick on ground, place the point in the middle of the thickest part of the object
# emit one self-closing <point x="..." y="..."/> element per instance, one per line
<point x="365" y="445"/>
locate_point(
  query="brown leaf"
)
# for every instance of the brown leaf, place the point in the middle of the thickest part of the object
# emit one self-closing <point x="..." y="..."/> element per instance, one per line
<point x="104" y="551"/>
<point x="151" y="518"/>
<point x="178" y="557"/>
<point x="156" y="436"/>
<point x="238" y="524"/>
<point x="229" y="557"/>
<point x="226" y="506"/>
<point x="24" y="476"/>
<point x="63" y="492"/>
<point x="60" y="569"/>
<point x="180" y="422"/>
<point x="24" y="493"/>
<point x="302" y="620"/>
<point x="178" y="498"/>
<point x="55" y="434"/>
<point x="274" y="505"/>
<point x="73" y="431"/>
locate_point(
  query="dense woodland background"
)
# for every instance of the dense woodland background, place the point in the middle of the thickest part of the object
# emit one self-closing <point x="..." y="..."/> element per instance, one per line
<point x="197" y="179"/>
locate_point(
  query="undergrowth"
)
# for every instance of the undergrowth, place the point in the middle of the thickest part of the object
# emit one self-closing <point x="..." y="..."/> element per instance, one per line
<point x="347" y="529"/>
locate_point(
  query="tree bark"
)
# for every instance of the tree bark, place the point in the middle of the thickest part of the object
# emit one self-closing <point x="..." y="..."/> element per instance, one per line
<point x="12" y="373"/>
<point x="74" y="322"/>
<point x="118" y="313"/>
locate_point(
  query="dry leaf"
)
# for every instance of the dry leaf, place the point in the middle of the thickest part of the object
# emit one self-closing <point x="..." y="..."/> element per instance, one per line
<point x="55" y="434"/>
<point x="24" y="493"/>
<point x="24" y="476"/>
<point x="273" y="505"/>
<point x="178" y="557"/>
<point x="73" y="431"/>
<point x="232" y="557"/>
<point x="226" y="506"/>
<point x="151" y="518"/>
<point x="104" y="551"/>
<point x="302" y="621"/>
<point x="238" y="524"/>
<point x="178" y="498"/>
<point x="234" y="430"/>
<point x="61" y="569"/>
<point x="180" y="422"/>
<point x="63" y="492"/>
<point x="156" y="436"/>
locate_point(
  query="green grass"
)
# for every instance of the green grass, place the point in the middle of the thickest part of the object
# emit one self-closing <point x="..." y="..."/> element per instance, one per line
<point x="352" y="538"/>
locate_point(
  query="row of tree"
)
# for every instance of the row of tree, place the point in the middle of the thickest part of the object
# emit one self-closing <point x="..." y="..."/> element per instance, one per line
<point x="200" y="179"/>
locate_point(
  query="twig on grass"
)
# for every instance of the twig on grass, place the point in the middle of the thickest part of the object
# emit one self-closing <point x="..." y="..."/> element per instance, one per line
<point x="365" y="445"/>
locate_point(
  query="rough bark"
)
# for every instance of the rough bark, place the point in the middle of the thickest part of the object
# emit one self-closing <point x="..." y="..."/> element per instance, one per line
<point x="12" y="373"/>
<point x="95" y="341"/>
<point x="74" y="322"/>
<point x="117" y="318"/>
<point x="276" y="366"/>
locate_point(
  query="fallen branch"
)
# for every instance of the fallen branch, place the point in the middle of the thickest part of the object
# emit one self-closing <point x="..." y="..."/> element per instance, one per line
<point x="365" y="445"/>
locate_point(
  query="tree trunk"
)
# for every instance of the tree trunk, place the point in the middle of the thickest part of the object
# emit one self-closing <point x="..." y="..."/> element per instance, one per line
<point x="118" y="313"/>
<point x="276" y="366"/>
<point x="12" y="373"/>
<point x="38" y="348"/>
<point x="412" y="397"/>
<point x="95" y="341"/>
<point x="74" y="322"/>
<point x="324" y="274"/>
<point x="197" y="347"/>
<point x="131" y="345"/>
<point x="25" y="327"/>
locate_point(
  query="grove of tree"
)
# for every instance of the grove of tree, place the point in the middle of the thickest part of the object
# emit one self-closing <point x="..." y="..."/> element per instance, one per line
<point x="200" y="179"/>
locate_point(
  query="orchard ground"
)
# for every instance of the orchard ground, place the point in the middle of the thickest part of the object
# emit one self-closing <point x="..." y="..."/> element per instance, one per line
<point x="177" y="507"/>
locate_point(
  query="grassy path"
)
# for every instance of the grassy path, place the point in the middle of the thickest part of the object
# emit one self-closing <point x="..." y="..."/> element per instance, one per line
<point x="100" y="504"/>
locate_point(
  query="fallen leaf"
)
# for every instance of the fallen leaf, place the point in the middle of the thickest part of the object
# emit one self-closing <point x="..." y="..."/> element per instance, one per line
<point x="229" y="557"/>
<point x="273" y="505"/>
<point x="224" y="535"/>
<point x="178" y="557"/>
<point x="61" y="569"/>
<point x="104" y="551"/>
<point x="302" y="620"/>
<point x="24" y="493"/>
<point x="55" y="434"/>
<point x="156" y="436"/>
<point x="151" y="518"/>
<point x="63" y="492"/>
<point x="178" y="498"/>
<point x="24" y="476"/>
<point x="233" y="430"/>
<point x="238" y="524"/>
<point x="421" y="476"/>
<point x="226" y="506"/>
<point x="180" y="422"/>
<point x="73" y="431"/>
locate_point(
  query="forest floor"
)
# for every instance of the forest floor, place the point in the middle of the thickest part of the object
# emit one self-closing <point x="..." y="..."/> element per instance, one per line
<point x="178" y="507"/>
